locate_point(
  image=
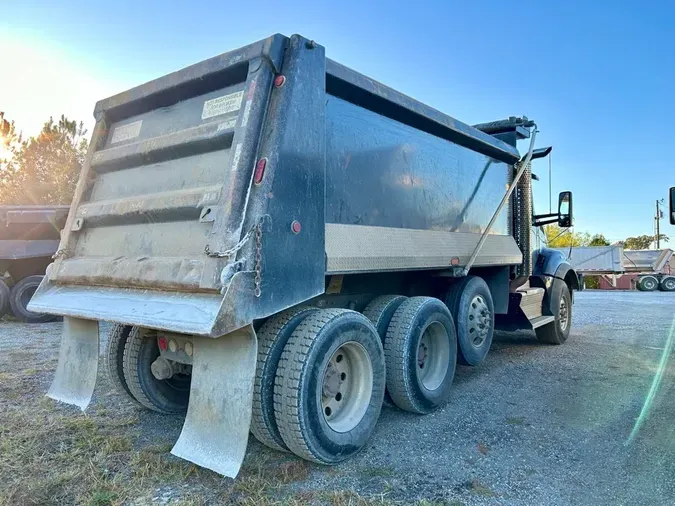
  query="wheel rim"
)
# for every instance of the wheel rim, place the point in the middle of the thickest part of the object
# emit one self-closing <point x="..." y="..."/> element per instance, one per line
<point x="347" y="387"/>
<point x="563" y="314"/>
<point x="479" y="321"/>
<point x="669" y="284"/>
<point x="649" y="284"/>
<point x="433" y="356"/>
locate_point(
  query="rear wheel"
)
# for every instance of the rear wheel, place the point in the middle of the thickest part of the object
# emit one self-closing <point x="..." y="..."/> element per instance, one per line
<point x="647" y="284"/>
<point x="667" y="284"/>
<point x="272" y="338"/>
<point x="20" y="296"/>
<point x="421" y="355"/>
<point x="558" y="330"/>
<point x="471" y="306"/>
<point x="114" y="358"/>
<point x="4" y="298"/>
<point x="329" y="386"/>
<point x="169" y="395"/>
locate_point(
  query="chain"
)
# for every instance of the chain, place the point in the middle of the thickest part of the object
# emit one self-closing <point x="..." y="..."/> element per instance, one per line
<point x="234" y="249"/>
<point x="258" y="258"/>
<point x="59" y="253"/>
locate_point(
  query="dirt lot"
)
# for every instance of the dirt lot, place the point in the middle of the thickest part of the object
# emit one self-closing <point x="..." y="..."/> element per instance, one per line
<point x="533" y="425"/>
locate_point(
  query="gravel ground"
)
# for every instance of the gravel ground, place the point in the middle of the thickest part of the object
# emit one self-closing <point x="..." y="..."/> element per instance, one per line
<point x="534" y="424"/>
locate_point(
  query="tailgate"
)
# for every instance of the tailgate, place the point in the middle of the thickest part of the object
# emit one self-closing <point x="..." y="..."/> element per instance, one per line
<point x="160" y="205"/>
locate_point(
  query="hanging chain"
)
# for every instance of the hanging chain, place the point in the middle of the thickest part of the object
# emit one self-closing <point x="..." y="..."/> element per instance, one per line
<point x="256" y="230"/>
<point x="258" y="258"/>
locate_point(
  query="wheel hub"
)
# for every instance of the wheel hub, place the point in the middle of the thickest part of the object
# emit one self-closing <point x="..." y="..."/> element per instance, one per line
<point x="479" y="320"/>
<point x="563" y="314"/>
<point x="347" y="386"/>
<point x="433" y="356"/>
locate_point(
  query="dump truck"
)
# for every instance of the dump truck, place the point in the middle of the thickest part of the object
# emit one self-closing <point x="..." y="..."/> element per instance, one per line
<point x="281" y="241"/>
<point x="29" y="236"/>
<point x="652" y="268"/>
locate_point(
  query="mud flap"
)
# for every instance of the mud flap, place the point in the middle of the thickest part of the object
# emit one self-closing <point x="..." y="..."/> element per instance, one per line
<point x="215" y="433"/>
<point x="76" y="371"/>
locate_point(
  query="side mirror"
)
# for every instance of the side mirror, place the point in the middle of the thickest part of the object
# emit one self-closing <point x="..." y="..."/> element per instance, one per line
<point x="565" y="209"/>
<point x="672" y="205"/>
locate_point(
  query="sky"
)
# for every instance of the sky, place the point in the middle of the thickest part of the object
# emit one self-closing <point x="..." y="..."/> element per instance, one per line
<point x="597" y="77"/>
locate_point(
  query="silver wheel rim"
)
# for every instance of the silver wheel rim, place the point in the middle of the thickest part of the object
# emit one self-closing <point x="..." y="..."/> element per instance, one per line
<point x="649" y="284"/>
<point x="563" y="314"/>
<point x="670" y="284"/>
<point x="479" y="321"/>
<point x="347" y="387"/>
<point x="433" y="356"/>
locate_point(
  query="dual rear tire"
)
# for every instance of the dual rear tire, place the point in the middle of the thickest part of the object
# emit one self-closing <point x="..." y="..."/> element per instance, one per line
<point x="16" y="299"/>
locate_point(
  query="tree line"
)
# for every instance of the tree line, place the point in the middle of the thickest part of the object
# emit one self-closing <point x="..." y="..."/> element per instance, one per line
<point x="557" y="237"/>
<point x="42" y="169"/>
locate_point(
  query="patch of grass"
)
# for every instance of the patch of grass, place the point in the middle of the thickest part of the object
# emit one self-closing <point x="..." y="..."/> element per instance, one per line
<point x="378" y="472"/>
<point x="480" y="489"/>
<point x="351" y="498"/>
<point x="102" y="498"/>
<point x="516" y="420"/>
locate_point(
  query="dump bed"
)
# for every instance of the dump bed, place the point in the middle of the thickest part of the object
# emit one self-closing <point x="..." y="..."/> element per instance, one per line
<point x="228" y="190"/>
<point x="30" y="231"/>
<point x="595" y="260"/>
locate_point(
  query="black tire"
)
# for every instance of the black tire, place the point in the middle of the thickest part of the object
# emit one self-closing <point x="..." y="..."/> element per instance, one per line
<point x="406" y="378"/>
<point x="272" y="339"/>
<point x="667" y="284"/>
<point x="555" y="332"/>
<point x="300" y="385"/>
<point x="380" y="311"/>
<point x="114" y="358"/>
<point x="19" y="298"/>
<point x="647" y="284"/>
<point x="164" y="396"/>
<point x="4" y="298"/>
<point x="470" y="303"/>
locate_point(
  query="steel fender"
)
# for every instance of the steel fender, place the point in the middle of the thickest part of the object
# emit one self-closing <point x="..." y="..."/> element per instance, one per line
<point x="547" y="262"/>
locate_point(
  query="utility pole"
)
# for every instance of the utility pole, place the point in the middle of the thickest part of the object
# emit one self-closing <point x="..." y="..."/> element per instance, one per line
<point x="657" y="218"/>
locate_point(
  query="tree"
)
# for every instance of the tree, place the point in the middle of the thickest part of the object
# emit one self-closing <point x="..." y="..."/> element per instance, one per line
<point x="44" y="169"/>
<point x="598" y="240"/>
<point x="557" y="237"/>
<point x="642" y="241"/>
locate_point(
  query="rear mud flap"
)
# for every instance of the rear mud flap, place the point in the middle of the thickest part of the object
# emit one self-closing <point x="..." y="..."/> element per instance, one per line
<point x="76" y="371"/>
<point x="215" y="433"/>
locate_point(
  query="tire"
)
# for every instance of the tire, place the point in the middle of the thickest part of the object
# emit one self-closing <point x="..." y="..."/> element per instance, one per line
<point x="114" y="358"/>
<point x="471" y="306"/>
<point x="417" y="321"/>
<point x="380" y="311"/>
<point x="558" y="330"/>
<point x="164" y="396"/>
<point x="647" y="284"/>
<point x="4" y="298"/>
<point x="329" y="386"/>
<point x="272" y="339"/>
<point x="667" y="284"/>
<point x="19" y="298"/>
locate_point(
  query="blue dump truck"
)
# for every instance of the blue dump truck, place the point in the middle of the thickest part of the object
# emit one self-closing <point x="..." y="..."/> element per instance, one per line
<point x="282" y="242"/>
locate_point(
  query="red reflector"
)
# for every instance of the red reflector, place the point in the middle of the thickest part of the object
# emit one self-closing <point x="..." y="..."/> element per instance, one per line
<point x="279" y="81"/>
<point x="296" y="227"/>
<point x="162" y="343"/>
<point x="454" y="261"/>
<point x="259" y="172"/>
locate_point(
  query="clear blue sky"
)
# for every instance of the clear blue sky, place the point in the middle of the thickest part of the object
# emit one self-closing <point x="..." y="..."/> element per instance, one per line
<point x="598" y="77"/>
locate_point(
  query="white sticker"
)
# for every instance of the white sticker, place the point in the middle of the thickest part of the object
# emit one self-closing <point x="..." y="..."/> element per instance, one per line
<point x="126" y="132"/>
<point x="222" y="105"/>
<point x="235" y="159"/>
<point x="247" y="113"/>
<point x="226" y="125"/>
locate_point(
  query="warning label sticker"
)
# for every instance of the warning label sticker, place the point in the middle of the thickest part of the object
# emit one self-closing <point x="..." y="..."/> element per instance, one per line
<point x="126" y="132"/>
<point x="222" y="105"/>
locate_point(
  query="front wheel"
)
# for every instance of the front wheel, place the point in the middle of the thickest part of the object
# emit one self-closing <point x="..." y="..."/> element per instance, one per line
<point x="558" y="330"/>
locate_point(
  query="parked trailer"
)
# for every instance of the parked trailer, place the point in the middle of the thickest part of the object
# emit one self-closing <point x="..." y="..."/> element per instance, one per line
<point x="29" y="236"/>
<point x="652" y="268"/>
<point x="280" y="239"/>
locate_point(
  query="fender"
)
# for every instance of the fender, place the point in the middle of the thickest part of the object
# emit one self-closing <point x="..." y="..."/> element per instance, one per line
<point x="548" y="262"/>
